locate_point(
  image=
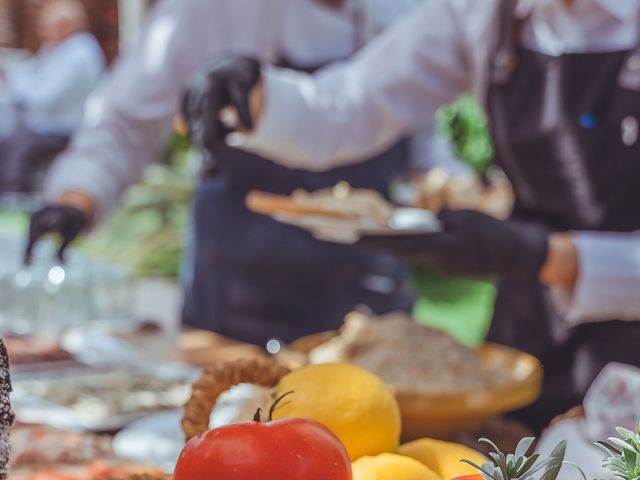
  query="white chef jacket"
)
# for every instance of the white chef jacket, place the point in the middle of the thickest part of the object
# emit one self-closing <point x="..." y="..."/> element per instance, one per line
<point x="423" y="62"/>
<point x="53" y="86"/>
<point x="130" y="119"/>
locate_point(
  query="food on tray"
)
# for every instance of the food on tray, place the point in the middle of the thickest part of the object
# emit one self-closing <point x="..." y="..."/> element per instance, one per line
<point x="289" y="449"/>
<point x="406" y="355"/>
<point x="389" y="466"/>
<point x="438" y="189"/>
<point x="94" y="471"/>
<point x="25" y="351"/>
<point x="356" y="405"/>
<point x="101" y="395"/>
<point x="443" y="458"/>
<point x="37" y="445"/>
<point x="341" y="202"/>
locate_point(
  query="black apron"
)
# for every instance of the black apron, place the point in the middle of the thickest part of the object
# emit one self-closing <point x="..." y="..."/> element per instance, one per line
<point x="566" y="133"/>
<point x="254" y="279"/>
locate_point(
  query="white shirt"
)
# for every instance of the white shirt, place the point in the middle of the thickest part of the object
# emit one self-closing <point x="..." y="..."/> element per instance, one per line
<point x="423" y="62"/>
<point x="130" y="120"/>
<point x="54" y="85"/>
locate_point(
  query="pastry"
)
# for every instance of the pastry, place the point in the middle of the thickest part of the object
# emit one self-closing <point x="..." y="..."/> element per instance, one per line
<point x="339" y="202"/>
<point x="408" y="356"/>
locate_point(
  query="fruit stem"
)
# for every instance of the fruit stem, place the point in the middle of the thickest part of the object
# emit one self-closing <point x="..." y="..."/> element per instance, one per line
<point x="276" y="403"/>
<point x="258" y="415"/>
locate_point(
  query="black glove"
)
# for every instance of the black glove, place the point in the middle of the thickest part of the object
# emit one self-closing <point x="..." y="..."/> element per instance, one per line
<point x="473" y="244"/>
<point x="67" y="222"/>
<point x="226" y="83"/>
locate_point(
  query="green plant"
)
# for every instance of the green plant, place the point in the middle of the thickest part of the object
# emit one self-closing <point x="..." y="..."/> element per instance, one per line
<point x="519" y="466"/>
<point x="148" y="231"/>
<point x="464" y="124"/>
<point x="624" y="454"/>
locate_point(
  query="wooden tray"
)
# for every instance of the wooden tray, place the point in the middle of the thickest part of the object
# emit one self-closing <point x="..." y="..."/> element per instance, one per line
<point x="443" y="415"/>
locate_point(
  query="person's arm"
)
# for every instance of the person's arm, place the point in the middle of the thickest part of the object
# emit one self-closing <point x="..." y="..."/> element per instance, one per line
<point x="562" y="266"/>
<point x="131" y="119"/>
<point x="599" y="272"/>
<point x="350" y="112"/>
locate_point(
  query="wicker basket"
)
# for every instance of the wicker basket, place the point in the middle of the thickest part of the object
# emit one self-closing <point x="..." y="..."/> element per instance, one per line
<point x="215" y="380"/>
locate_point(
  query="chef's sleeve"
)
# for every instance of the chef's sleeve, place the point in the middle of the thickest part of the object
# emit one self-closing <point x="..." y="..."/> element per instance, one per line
<point x="609" y="279"/>
<point x="130" y="119"/>
<point x="356" y="110"/>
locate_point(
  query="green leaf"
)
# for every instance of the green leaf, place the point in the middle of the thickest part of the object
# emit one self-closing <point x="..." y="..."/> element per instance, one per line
<point x="575" y="465"/>
<point x="493" y="445"/>
<point x="624" y="433"/>
<point x="524" y="445"/>
<point x="557" y="458"/>
<point x="503" y="466"/>
<point x="511" y="465"/>
<point x="528" y="465"/>
<point x="608" y="448"/>
<point x="542" y="464"/>
<point x="518" y="463"/>
<point x="479" y="468"/>
<point x="621" y="443"/>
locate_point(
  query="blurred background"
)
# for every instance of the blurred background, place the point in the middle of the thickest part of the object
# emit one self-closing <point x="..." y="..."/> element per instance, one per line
<point x="146" y="235"/>
<point x="113" y="22"/>
<point x="180" y="273"/>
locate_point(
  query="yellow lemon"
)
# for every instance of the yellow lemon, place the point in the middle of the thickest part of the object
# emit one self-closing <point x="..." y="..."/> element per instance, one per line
<point x="443" y="457"/>
<point x="389" y="466"/>
<point x="355" y="404"/>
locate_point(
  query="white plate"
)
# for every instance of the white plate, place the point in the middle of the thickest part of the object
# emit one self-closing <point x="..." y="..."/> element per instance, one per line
<point x="405" y="221"/>
<point x="157" y="440"/>
<point x="33" y="408"/>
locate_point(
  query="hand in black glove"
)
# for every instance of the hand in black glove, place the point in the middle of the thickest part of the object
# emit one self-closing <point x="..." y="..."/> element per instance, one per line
<point x="473" y="244"/>
<point x="227" y="83"/>
<point x="67" y="222"/>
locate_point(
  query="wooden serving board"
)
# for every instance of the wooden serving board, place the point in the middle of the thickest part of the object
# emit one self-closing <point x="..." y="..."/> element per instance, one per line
<point x="272" y="204"/>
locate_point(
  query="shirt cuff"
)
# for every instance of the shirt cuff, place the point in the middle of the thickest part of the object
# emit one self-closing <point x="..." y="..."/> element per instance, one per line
<point x="284" y="107"/>
<point x="609" y="278"/>
<point x="263" y="138"/>
<point x="79" y="175"/>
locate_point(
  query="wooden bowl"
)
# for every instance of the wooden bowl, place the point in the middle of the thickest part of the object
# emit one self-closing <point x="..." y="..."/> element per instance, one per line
<point x="443" y="415"/>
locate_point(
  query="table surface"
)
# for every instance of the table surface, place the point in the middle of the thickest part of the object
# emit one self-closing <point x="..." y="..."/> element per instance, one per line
<point x="202" y="348"/>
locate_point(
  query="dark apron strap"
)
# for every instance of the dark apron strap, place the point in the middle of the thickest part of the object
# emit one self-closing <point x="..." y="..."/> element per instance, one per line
<point x="505" y="58"/>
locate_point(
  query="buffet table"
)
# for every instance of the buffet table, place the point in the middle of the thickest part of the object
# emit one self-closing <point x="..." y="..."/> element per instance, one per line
<point x="145" y="441"/>
<point x="42" y="451"/>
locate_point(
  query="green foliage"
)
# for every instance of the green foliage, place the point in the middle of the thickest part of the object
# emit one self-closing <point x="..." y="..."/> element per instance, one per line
<point x="519" y="466"/>
<point x="624" y="454"/>
<point x="147" y="233"/>
<point x="464" y="124"/>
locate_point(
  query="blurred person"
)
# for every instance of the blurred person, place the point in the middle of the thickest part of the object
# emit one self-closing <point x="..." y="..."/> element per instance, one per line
<point x="248" y="277"/>
<point x="48" y="92"/>
<point x="560" y="80"/>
